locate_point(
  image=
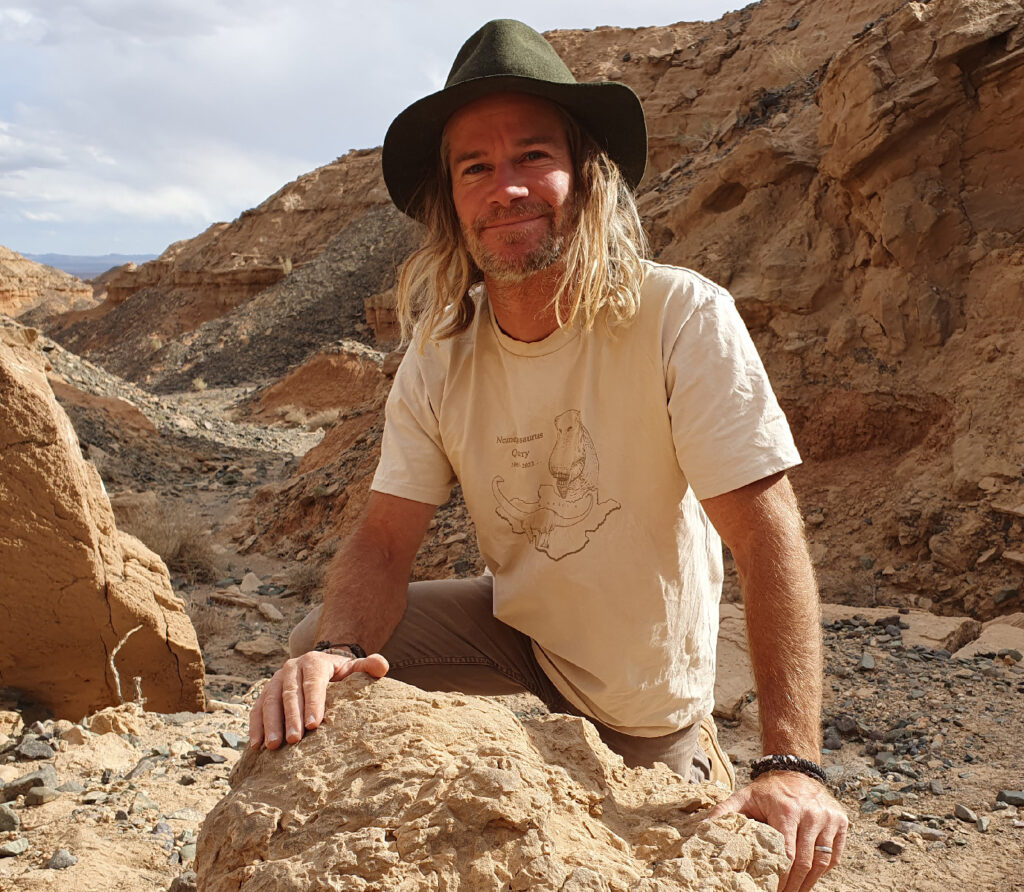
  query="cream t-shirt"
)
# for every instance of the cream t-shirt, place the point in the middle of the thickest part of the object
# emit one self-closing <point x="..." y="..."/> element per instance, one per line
<point x="582" y="458"/>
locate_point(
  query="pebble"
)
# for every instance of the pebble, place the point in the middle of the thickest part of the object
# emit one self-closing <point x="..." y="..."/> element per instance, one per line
<point x="188" y="852"/>
<point x="186" y="882"/>
<point x="41" y="795"/>
<point x="203" y="758"/>
<point x="965" y="814"/>
<point x="32" y="749"/>
<point x="13" y="848"/>
<point x="892" y="847"/>
<point x="143" y="803"/>
<point x="1011" y="797"/>
<point x="61" y="860"/>
<point x="44" y="777"/>
<point x="983" y="824"/>
<point x="9" y="819"/>
<point x="231" y="740"/>
<point x="867" y="663"/>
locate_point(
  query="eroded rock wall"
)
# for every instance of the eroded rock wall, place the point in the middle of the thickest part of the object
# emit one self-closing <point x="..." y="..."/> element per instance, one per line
<point x="73" y="588"/>
<point x="26" y="285"/>
<point x="404" y="789"/>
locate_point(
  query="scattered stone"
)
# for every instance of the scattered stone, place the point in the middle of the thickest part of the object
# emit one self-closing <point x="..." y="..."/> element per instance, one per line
<point x="143" y="803"/>
<point x="61" y="860"/>
<point x="892" y="847"/>
<point x="9" y="819"/>
<point x="32" y="749"/>
<point x="41" y="795"/>
<point x="1011" y="797"/>
<point x="964" y="813"/>
<point x="44" y="777"/>
<point x="76" y="735"/>
<point x="203" y="758"/>
<point x="94" y="797"/>
<point x="261" y="647"/>
<point x="186" y="882"/>
<point x="250" y="584"/>
<point x="867" y="663"/>
<point x="270" y="612"/>
<point x="188" y="852"/>
<point x="13" y="848"/>
<point x="231" y="740"/>
<point x="982" y="824"/>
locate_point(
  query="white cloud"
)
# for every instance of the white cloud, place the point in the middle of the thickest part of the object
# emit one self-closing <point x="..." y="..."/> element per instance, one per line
<point x="188" y="111"/>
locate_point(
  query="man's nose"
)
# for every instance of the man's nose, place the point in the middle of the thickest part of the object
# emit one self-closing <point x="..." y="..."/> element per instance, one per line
<point x="507" y="185"/>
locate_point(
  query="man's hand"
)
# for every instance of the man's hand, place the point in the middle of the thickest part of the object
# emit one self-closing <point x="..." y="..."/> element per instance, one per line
<point x="292" y="702"/>
<point x="804" y="812"/>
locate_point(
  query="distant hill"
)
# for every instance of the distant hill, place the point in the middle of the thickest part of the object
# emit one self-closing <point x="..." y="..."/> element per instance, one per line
<point x="86" y="267"/>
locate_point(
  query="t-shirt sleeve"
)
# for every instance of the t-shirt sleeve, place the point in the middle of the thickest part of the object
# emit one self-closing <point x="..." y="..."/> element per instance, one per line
<point x="413" y="463"/>
<point x="727" y="425"/>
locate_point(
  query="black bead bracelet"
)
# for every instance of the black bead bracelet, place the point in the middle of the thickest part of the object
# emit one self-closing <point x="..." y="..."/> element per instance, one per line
<point x="787" y="763"/>
<point x="356" y="650"/>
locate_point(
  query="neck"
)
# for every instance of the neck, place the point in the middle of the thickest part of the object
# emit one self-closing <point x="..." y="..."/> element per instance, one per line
<point x="525" y="310"/>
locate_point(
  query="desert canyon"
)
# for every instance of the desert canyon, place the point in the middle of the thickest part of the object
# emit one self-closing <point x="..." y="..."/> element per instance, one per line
<point x="184" y="443"/>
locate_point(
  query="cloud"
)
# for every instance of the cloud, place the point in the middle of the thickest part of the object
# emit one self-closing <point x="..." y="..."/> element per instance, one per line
<point x="191" y="110"/>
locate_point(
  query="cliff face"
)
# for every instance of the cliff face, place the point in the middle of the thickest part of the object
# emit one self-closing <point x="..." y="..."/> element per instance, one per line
<point x="26" y="285"/>
<point x="205" y="278"/>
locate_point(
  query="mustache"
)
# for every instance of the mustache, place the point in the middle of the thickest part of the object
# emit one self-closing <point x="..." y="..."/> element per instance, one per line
<point x="511" y="214"/>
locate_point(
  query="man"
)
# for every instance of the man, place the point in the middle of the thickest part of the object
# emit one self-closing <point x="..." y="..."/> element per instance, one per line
<point x="608" y="419"/>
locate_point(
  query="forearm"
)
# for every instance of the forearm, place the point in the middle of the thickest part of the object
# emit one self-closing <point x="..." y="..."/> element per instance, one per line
<point x="784" y="630"/>
<point x="364" y="596"/>
<point x="367" y="582"/>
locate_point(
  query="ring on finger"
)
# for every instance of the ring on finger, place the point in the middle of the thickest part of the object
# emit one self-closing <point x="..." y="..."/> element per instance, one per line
<point x="826" y="849"/>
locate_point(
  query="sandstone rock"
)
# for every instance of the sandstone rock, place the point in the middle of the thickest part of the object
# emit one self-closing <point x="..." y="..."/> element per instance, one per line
<point x="73" y="586"/>
<point x="1004" y="633"/>
<point x="126" y="719"/>
<point x="400" y="784"/>
<point x="25" y="285"/>
<point x="260" y="648"/>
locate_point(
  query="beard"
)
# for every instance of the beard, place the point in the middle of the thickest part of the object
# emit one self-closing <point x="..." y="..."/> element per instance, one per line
<point x="516" y="265"/>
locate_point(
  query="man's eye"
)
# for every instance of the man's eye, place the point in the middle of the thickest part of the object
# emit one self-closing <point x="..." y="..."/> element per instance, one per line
<point x="473" y="169"/>
<point x="535" y="155"/>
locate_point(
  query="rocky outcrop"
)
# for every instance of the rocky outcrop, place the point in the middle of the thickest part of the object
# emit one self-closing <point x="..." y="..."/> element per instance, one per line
<point x="26" y="285"/>
<point x="207" y="277"/>
<point x="86" y="609"/>
<point x="405" y="789"/>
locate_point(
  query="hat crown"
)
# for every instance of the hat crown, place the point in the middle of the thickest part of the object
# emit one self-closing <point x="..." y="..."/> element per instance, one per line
<point x="506" y="47"/>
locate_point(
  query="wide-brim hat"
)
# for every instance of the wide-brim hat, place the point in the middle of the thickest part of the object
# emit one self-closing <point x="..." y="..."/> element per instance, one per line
<point x="506" y="56"/>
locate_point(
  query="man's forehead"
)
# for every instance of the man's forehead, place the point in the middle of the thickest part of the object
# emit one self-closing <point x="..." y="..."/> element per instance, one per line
<point x="540" y="120"/>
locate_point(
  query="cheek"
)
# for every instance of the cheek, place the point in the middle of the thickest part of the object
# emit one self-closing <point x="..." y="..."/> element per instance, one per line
<point x="558" y="187"/>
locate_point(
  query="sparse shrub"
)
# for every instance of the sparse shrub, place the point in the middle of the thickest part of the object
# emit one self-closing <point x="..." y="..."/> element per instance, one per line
<point x="306" y="578"/>
<point x="323" y="419"/>
<point x="174" y="534"/>
<point x="198" y="383"/>
<point x="211" y="621"/>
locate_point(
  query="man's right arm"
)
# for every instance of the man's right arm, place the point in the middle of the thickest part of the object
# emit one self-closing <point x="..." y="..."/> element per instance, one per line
<point x="364" y="599"/>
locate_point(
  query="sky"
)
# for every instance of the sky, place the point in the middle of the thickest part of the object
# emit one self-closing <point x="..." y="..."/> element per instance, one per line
<point x="126" y="125"/>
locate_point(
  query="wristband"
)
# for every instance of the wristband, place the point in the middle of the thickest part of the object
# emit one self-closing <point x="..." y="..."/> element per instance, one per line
<point x="327" y="647"/>
<point x="787" y="763"/>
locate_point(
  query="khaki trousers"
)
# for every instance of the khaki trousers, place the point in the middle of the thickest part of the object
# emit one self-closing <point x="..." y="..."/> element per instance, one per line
<point x="449" y="640"/>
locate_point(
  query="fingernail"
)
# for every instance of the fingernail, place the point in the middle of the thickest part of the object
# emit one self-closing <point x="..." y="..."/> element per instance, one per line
<point x="293" y="732"/>
<point x="272" y="738"/>
<point x="310" y="719"/>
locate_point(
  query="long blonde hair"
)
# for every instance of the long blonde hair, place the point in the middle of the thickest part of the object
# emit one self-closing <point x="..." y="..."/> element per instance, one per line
<point x="603" y="256"/>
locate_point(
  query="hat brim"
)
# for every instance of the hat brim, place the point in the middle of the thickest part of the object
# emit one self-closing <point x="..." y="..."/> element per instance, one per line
<point x="609" y="111"/>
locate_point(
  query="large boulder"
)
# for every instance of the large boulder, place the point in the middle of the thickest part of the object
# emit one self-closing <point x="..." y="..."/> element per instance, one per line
<point x="86" y="609"/>
<point x="403" y="789"/>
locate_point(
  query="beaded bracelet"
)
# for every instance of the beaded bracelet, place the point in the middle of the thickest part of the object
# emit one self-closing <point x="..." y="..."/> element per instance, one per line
<point x="787" y="763"/>
<point x="326" y="646"/>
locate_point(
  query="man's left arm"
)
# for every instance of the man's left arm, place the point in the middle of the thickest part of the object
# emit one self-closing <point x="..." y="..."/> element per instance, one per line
<point x="762" y="526"/>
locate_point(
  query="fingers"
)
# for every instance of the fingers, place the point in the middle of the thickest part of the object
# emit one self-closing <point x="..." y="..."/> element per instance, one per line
<point x="735" y="803"/>
<point x="293" y="701"/>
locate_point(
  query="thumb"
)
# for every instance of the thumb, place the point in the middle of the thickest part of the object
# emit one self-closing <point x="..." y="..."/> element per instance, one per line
<point x="374" y="665"/>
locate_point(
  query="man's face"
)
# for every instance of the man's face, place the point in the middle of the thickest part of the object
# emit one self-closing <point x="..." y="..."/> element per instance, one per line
<point x="511" y="173"/>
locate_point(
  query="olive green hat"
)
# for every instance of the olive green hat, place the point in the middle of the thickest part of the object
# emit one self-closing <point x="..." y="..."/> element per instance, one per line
<point x="506" y="56"/>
